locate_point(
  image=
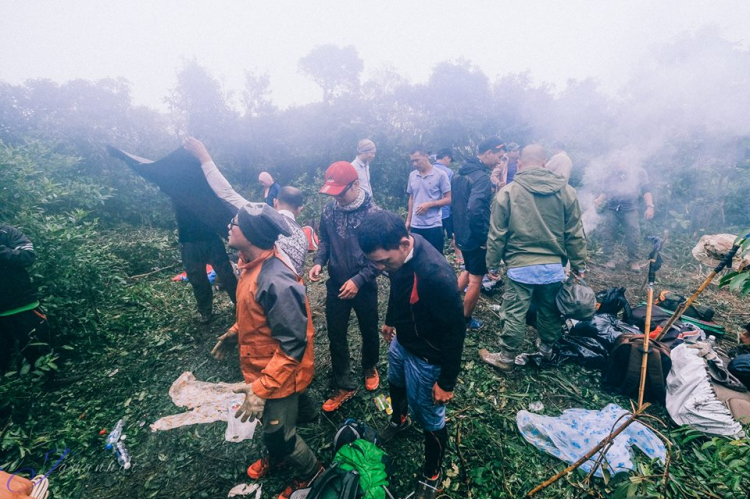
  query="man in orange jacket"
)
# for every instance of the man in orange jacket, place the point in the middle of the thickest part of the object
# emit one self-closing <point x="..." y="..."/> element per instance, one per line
<point x="275" y="334"/>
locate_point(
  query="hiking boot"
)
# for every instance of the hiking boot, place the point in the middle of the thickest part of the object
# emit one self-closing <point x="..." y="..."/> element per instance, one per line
<point x="544" y="348"/>
<point x="610" y="265"/>
<point x="389" y="432"/>
<point x="300" y="483"/>
<point x="307" y="416"/>
<point x="634" y="267"/>
<point x="338" y="399"/>
<point x="474" y="324"/>
<point x="372" y="379"/>
<point x="262" y="467"/>
<point x="428" y="488"/>
<point x="501" y="360"/>
<point x="205" y="318"/>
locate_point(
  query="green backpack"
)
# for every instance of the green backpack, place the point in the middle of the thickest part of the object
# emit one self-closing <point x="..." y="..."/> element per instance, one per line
<point x="358" y="472"/>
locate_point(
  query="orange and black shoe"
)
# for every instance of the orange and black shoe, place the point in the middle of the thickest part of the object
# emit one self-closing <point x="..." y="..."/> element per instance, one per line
<point x="299" y="483"/>
<point x="263" y="466"/>
<point x="372" y="379"/>
<point x="338" y="399"/>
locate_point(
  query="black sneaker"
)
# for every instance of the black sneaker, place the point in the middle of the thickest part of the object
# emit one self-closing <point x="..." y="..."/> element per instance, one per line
<point x="206" y="318"/>
<point x="429" y="488"/>
<point x="389" y="432"/>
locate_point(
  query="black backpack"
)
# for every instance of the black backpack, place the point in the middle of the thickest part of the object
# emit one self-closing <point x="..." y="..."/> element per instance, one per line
<point x="336" y="483"/>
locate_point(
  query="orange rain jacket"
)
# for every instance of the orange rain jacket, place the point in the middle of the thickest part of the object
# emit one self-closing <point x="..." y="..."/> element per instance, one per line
<point x="274" y="326"/>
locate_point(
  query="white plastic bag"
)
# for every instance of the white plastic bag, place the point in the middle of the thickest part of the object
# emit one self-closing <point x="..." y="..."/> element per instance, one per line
<point x="237" y="431"/>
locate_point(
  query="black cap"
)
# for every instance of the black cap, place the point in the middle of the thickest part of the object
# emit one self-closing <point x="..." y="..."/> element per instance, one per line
<point x="261" y="224"/>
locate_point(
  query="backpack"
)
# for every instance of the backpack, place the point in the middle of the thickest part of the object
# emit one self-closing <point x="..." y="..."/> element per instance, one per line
<point x="351" y="430"/>
<point x="622" y="374"/>
<point x="358" y="472"/>
<point x="576" y="300"/>
<point x="612" y="301"/>
<point x="312" y="238"/>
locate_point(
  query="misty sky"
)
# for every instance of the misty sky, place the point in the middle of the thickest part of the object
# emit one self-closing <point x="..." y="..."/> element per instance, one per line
<point x="145" y="41"/>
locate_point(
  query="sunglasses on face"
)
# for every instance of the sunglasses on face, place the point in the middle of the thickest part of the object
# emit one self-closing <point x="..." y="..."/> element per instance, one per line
<point x="233" y="223"/>
<point x="346" y="189"/>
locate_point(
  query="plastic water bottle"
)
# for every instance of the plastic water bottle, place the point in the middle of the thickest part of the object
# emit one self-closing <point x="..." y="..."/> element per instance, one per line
<point x="712" y="341"/>
<point x="114" y="436"/>
<point x="123" y="457"/>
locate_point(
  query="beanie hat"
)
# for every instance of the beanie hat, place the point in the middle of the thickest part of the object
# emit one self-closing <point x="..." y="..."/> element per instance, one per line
<point x="365" y="145"/>
<point x="261" y="224"/>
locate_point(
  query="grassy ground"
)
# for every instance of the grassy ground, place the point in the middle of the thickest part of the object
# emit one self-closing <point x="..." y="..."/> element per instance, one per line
<point x="153" y="338"/>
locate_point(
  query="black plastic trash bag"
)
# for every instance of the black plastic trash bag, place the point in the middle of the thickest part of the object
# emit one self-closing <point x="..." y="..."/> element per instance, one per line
<point x="587" y="352"/>
<point x="740" y="367"/>
<point x="604" y="328"/>
<point x="576" y="300"/>
<point x="613" y="301"/>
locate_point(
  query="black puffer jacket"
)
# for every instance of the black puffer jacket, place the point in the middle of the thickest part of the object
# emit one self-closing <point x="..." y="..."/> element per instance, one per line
<point x="471" y="196"/>
<point x="16" y="255"/>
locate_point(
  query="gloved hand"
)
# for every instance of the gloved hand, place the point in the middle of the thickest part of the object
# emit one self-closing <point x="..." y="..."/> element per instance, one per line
<point x="226" y="341"/>
<point x="253" y="405"/>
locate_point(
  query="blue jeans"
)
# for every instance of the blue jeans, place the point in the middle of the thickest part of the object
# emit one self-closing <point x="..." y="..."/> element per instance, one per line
<point x="418" y="376"/>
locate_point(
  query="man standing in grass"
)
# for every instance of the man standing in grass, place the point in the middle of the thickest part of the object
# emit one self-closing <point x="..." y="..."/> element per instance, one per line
<point x="351" y="280"/>
<point x="425" y="329"/>
<point x="535" y="230"/>
<point x="274" y="330"/>
<point x="429" y="190"/>
<point x="471" y="192"/>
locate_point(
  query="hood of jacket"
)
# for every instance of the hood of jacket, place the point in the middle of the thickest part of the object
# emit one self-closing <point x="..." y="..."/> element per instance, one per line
<point x="472" y="165"/>
<point x="540" y="181"/>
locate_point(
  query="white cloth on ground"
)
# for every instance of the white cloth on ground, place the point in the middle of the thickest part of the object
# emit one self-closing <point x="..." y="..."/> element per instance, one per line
<point x="690" y="398"/>
<point x="576" y="431"/>
<point x="207" y="402"/>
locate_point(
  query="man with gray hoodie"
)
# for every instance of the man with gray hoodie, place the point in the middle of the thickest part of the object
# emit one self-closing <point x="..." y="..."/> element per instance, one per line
<point x="535" y="229"/>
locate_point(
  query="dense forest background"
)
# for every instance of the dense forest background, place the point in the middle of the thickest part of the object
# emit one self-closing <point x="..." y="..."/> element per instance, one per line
<point x="95" y="224"/>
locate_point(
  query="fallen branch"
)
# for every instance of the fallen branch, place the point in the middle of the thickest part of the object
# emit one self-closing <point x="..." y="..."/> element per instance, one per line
<point x="464" y="466"/>
<point x="134" y="277"/>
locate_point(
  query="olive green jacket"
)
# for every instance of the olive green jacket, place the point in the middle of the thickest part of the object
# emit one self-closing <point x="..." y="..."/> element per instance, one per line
<point x="536" y="220"/>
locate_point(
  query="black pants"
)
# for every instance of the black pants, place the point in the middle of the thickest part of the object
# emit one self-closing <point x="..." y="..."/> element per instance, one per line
<point x="365" y="305"/>
<point x="195" y="256"/>
<point x="433" y="235"/>
<point x="24" y="328"/>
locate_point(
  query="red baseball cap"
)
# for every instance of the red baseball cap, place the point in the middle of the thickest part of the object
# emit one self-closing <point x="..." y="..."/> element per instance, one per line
<point x="338" y="177"/>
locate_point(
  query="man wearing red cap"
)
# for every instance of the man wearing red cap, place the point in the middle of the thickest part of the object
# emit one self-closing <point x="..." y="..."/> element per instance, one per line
<point x="351" y="280"/>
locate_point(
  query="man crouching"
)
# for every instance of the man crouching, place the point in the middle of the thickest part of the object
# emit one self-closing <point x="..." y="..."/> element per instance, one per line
<point x="275" y="334"/>
<point x="425" y="328"/>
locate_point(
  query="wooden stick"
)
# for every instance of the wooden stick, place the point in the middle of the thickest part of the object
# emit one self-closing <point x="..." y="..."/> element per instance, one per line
<point x="590" y="453"/>
<point x="646" y="338"/>
<point x="134" y="277"/>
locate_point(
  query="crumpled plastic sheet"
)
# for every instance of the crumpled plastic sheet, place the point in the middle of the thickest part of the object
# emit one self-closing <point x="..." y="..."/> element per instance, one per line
<point x="690" y="398"/>
<point x="207" y="402"/>
<point x="576" y="431"/>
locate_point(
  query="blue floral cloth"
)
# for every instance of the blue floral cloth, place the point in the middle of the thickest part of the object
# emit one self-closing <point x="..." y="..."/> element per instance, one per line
<point x="576" y="431"/>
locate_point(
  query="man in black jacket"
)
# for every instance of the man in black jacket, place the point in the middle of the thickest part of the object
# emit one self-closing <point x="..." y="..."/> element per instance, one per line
<point x="425" y="328"/>
<point x="471" y="198"/>
<point x="351" y="280"/>
<point x="21" y="319"/>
